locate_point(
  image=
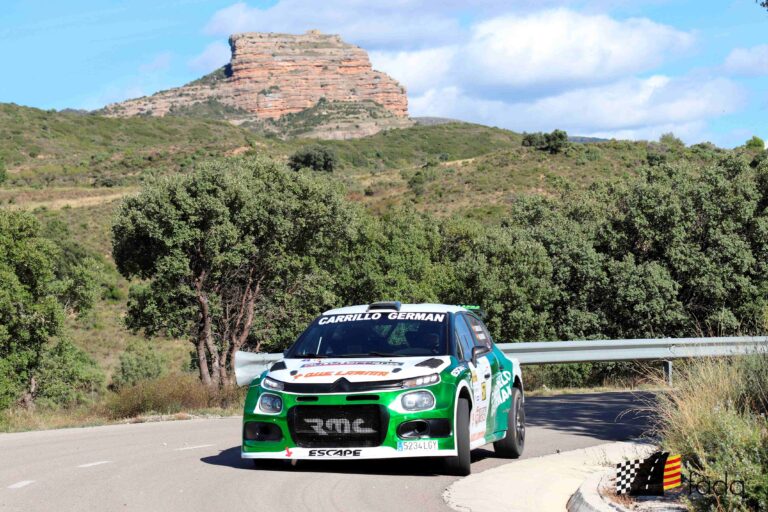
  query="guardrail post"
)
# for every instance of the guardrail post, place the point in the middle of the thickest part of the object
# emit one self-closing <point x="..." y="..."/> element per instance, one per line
<point x="668" y="372"/>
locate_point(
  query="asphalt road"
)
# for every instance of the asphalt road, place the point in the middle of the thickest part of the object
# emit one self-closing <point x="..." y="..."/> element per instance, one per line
<point x="195" y="465"/>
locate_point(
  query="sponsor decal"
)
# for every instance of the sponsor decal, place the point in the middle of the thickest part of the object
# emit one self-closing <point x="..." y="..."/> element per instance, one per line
<point x="416" y="446"/>
<point x="338" y="426"/>
<point x="456" y="371"/>
<point x="474" y="377"/>
<point x="483" y="390"/>
<point x="502" y="390"/>
<point x="335" y="453"/>
<point x="479" y="415"/>
<point x="308" y="363"/>
<point x="424" y="317"/>
<point x="361" y="317"/>
<point x="358" y="317"/>
<point x="343" y="373"/>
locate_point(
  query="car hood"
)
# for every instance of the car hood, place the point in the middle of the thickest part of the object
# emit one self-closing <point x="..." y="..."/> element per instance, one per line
<point x="326" y="371"/>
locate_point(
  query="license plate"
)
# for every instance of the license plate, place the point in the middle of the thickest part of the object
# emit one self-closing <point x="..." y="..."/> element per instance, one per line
<point x="416" y="446"/>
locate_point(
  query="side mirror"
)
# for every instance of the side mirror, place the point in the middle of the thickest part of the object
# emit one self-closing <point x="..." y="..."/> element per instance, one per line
<point x="479" y="351"/>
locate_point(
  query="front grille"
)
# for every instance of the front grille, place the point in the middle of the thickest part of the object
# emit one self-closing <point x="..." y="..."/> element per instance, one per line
<point x="330" y="426"/>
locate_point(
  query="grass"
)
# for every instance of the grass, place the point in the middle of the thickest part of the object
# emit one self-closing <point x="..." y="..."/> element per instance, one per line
<point x="715" y="417"/>
<point x="176" y="396"/>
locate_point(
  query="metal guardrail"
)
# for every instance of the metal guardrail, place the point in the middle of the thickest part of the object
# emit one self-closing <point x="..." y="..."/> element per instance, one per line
<point x="660" y="349"/>
<point x="249" y="365"/>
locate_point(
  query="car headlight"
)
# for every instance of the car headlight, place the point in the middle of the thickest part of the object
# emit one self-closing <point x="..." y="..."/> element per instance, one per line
<point x="270" y="403"/>
<point x="421" y="381"/>
<point x="273" y="384"/>
<point x="417" y="401"/>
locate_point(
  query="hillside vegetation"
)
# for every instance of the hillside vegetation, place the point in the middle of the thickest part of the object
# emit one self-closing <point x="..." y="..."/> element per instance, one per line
<point x="558" y="240"/>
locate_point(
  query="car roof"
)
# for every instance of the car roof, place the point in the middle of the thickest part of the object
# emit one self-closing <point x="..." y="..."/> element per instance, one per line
<point x="404" y="308"/>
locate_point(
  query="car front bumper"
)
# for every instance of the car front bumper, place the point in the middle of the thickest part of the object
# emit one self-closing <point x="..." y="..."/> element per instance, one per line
<point x="292" y="447"/>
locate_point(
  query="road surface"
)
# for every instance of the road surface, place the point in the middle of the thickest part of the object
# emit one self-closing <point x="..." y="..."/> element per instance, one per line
<point x="195" y="465"/>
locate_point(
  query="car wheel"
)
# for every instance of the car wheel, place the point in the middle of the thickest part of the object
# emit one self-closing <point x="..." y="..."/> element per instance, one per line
<point x="460" y="464"/>
<point x="512" y="445"/>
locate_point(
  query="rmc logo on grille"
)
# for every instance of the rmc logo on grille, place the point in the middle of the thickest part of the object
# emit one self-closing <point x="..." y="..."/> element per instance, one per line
<point x="338" y="426"/>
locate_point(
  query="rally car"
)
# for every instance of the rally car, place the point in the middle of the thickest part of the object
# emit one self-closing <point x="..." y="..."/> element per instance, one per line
<point x="387" y="380"/>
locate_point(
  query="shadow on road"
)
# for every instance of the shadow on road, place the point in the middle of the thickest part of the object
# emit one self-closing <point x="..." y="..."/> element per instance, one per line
<point x="606" y="416"/>
<point x="603" y="416"/>
<point x="404" y="467"/>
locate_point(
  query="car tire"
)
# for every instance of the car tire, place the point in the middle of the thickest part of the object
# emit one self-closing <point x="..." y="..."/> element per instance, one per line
<point x="460" y="465"/>
<point x="511" y="447"/>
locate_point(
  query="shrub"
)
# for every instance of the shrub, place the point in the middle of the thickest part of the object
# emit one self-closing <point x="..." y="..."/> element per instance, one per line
<point x="315" y="157"/>
<point x="755" y="143"/>
<point x="67" y="376"/>
<point x="3" y="172"/>
<point x="171" y="394"/>
<point x="715" y="418"/>
<point x="139" y="361"/>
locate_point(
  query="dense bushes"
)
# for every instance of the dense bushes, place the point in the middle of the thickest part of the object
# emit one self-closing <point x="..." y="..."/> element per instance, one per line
<point x="715" y="417"/>
<point x="315" y="157"/>
<point x="140" y="361"/>
<point x="170" y="394"/>
<point x="554" y="142"/>
<point x="675" y="251"/>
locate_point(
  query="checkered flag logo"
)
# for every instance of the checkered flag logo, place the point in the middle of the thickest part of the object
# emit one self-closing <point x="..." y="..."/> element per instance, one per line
<point x="642" y="477"/>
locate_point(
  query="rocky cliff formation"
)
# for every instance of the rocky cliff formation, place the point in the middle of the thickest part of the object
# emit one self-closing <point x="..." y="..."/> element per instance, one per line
<point x="271" y="75"/>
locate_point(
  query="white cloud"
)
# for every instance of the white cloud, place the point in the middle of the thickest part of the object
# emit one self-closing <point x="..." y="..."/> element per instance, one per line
<point x="402" y="23"/>
<point x="214" y="56"/>
<point x="521" y="64"/>
<point x="748" y="61"/>
<point x="419" y="69"/>
<point x="631" y="107"/>
<point x="563" y="48"/>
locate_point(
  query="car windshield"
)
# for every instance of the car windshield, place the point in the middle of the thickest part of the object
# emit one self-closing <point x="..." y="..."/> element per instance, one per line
<point x="374" y="335"/>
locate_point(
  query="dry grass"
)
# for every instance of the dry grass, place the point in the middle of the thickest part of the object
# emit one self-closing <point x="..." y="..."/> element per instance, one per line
<point x="715" y="417"/>
<point x="173" y="397"/>
<point x="171" y="394"/>
<point x="56" y="198"/>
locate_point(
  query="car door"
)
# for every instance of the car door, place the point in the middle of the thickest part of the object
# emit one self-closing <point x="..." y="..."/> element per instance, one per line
<point x="483" y="338"/>
<point x="482" y="375"/>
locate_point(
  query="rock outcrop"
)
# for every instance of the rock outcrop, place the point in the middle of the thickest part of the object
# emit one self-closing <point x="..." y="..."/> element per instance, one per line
<point x="271" y="75"/>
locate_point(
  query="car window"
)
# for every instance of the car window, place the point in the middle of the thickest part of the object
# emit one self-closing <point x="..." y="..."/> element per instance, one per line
<point x="375" y="335"/>
<point x="480" y="333"/>
<point x="464" y="336"/>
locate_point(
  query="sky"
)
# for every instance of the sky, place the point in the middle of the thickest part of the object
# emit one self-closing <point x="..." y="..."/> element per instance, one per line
<point x="606" y="68"/>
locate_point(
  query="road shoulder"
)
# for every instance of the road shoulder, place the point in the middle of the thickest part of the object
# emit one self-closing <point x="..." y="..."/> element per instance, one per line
<point x="537" y="484"/>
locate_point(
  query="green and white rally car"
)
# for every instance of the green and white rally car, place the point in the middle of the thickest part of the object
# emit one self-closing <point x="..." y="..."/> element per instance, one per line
<point x="388" y="380"/>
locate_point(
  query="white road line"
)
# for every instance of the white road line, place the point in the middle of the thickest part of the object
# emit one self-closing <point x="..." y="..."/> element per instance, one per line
<point x="90" y="464"/>
<point x="19" y="485"/>
<point x="192" y="447"/>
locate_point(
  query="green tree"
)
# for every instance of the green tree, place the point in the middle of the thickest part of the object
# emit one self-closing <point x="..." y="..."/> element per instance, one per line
<point x="316" y="157"/>
<point x="30" y="314"/>
<point x="215" y="246"/>
<point x="755" y="143"/>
